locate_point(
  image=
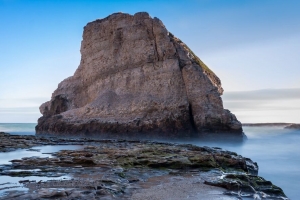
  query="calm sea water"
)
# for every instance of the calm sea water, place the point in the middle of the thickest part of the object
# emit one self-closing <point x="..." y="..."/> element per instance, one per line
<point x="8" y="183"/>
<point x="275" y="149"/>
<point x="277" y="152"/>
<point x="18" y="128"/>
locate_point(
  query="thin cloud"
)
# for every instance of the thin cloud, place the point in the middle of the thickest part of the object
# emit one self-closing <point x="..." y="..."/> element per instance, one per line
<point x="24" y="110"/>
<point x="262" y="106"/>
<point x="22" y="102"/>
<point x="263" y="95"/>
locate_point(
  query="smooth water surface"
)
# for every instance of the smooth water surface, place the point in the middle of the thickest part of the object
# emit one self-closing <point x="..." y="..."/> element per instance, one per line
<point x="18" y="128"/>
<point x="43" y="152"/>
<point x="277" y="152"/>
<point x="275" y="149"/>
<point x="8" y="183"/>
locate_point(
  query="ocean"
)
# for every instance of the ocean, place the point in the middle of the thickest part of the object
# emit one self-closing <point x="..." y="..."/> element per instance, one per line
<point x="277" y="152"/>
<point x="18" y="128"/>
<point x="275" y="149"/>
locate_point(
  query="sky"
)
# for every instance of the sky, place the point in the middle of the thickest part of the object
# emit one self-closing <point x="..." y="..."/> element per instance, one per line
<point x="252" y="45"/>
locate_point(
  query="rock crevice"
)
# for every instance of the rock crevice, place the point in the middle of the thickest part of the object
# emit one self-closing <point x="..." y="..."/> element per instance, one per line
<point x="136" y="79"/>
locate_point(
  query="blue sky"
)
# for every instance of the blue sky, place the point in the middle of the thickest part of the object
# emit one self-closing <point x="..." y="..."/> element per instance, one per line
<point x="252" y="45"/>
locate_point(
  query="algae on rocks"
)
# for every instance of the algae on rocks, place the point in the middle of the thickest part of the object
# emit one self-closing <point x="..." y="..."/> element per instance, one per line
<point x="111" y="167"/>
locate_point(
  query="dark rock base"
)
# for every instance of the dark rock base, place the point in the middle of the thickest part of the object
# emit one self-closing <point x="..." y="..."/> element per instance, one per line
<point x="170" y="129"/>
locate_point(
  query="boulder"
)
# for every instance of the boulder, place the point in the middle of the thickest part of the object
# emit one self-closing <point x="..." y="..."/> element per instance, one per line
<point x="136" y="79"/>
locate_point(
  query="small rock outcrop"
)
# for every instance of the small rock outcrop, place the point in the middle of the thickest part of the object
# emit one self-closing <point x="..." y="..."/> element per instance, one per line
<point x="136" y="79"/>
<point x="293" y="126"/>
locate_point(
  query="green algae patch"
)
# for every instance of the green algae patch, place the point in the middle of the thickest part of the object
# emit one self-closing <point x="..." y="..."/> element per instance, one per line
<point x="203" y="161"/>
<point x="129" y="161"/>
<point x="20" y="174"/>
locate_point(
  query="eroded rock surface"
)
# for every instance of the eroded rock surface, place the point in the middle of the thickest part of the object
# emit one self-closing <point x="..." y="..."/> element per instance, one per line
<point x="117" y="169"/>
<point x="136" y="79"/>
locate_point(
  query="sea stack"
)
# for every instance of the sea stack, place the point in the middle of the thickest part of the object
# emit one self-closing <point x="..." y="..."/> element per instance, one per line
<point x="136" y="79"/>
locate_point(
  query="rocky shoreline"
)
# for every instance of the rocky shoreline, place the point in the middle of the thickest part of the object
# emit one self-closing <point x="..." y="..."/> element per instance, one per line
<point x="121" y="169"/>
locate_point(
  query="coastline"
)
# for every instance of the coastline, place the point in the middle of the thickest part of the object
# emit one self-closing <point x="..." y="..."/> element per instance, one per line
<point x="119" y="168"/>
<point x="267" y="124"/>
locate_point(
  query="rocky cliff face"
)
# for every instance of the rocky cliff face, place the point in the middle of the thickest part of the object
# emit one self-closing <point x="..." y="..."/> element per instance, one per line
<point x="136" y="79"/>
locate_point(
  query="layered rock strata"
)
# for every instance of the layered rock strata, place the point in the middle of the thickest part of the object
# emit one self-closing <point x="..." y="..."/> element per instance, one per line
<point x="136" y="79"/>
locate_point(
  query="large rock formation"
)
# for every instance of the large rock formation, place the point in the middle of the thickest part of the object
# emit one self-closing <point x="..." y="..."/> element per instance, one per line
<point x="136" y="79"/>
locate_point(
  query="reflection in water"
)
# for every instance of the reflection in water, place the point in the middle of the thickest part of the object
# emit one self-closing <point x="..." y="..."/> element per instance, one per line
<point x="8" y="183"/>
<point x="276" y="150"/>
<point x="44" y="151"/>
